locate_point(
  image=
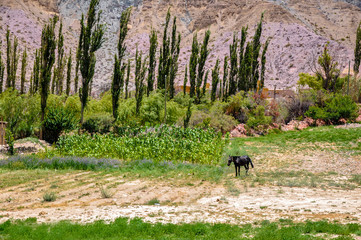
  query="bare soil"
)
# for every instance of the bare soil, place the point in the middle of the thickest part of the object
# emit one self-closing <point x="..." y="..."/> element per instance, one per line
<point x="80" y="200"/>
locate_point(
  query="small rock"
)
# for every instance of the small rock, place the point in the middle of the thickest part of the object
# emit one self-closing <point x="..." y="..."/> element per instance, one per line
<point x="42" y="213"/>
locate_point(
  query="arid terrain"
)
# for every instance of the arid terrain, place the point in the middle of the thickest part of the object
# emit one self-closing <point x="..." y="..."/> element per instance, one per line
<point x="298" y="181"/>
<point x="298" y="30"/>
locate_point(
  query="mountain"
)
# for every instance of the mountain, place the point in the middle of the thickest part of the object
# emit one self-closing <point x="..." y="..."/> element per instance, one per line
<point x="298" y="29"/>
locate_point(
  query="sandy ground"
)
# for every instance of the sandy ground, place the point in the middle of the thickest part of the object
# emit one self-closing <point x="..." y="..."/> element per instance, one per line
<point x="80" y="200"/>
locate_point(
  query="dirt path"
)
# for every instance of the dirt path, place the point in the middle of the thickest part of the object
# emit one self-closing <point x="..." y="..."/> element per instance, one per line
<point x="79" y="199"/>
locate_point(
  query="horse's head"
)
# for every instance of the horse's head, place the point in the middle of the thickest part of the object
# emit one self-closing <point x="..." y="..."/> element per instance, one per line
<point x="229" y="160"/>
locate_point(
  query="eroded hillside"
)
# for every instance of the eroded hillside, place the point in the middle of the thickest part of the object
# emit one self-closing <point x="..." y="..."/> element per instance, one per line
<point x="298" y="29"/>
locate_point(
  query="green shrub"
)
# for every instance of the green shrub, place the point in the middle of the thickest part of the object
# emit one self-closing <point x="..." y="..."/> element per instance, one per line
<point x="98" y="124"/>
<point x="258" y="118"/>
<point x="49" y="197"/>
<point x="239" y="106"/>
<point x="57" y="120"/>
<point x="336" y="107"/>
<point x="10" y="141"/>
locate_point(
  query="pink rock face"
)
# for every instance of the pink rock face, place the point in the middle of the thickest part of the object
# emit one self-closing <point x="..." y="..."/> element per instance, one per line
<point x="358" y="119"/>
<point x="320" y="123"/>
<point x="309" y="121"/>
<point x="239" y="131"/>
<point x="342" y="121"/>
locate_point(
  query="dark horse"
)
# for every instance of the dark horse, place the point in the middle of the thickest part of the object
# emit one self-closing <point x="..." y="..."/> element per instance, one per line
<point x="240" y="161"/>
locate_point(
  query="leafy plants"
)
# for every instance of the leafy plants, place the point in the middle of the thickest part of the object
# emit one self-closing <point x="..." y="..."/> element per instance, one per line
<point x="49" y="197"/>
<point x="158" y="144"/>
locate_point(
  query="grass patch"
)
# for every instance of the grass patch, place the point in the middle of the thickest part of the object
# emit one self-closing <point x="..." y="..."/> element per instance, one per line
<point x="154" y="201"/>
<point x="124" y="228"/>
<point x="49" y="197"/>
<point x="319" y="138"/>
<point x="105" y="193"/>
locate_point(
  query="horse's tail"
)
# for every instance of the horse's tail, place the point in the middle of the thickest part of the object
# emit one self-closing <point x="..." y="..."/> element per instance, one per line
<point x="250" y="161"/>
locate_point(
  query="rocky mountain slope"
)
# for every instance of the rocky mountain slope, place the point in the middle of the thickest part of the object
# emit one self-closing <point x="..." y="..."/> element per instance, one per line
<point x="298" y="28"/>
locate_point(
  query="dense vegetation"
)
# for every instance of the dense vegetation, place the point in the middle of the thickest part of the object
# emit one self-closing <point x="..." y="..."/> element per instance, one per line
<point x="158" y="144"/>
<point x="125" y="228"/>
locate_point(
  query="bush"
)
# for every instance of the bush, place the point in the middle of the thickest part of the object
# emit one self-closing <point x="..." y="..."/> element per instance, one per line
<point x="258" y="118"/>
<point x="21" y="112"/>
<point x="98" y="124"/>
<point x="49" y="197"/>
<point x="238" y="107"/>
<point x="298" y="106"/>
<point x="57" y="120"/>
<point x="336" y="107"/>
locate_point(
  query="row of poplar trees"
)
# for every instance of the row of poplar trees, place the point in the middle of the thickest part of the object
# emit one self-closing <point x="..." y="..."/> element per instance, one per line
<point x="244" y="68"/>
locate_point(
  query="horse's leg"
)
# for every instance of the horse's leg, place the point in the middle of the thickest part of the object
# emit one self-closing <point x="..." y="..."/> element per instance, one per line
<point x="235" y="166"/>
<point x="246" y="167"/>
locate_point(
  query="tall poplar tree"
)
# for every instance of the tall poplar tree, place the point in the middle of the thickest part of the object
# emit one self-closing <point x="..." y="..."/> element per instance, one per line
<point x="2" y="69"/>
<point x="140" y="70"/>
<point x="14" y="62"/>
<point x="225" y="79"/>
<point x="185" y="81"/>
<point x="36" y="72"/>
<point x="48" y="46"/>
<point x="119" y="66"/>
<point x="203" y="55"/>
<point x="356" y="65"/>
<point x="233" y="52"/>
<point x="153" y="41"/>
<point x="263" y="63"/>
<point x="215" y="81"/>
<point x="8" y="59"/>
<point x="127" y="79"/>
<point x="59" y="77"/>
<point x="242" y="78"/>
<point x="163" y="68"/>
<point x="92" y="40"/>
<point x="23" y="72"/>
<point x="68" y="74"/>
<point x="193" y="63"/>
<point x="173" y="58"/>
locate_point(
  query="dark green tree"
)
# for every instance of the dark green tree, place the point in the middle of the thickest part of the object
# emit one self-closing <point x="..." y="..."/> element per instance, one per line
<point x="242" y="78"/>
<point x="327" y="70"/>
<point x="2" y="70"/>
<point x="173" y="59"/>
<point x="215" y="81"/>
<point x="163" y="68"/>
<point x="201" y="64"/>
<point x="59" y="73"/>
<point x="224" y="91"/>
<point x="247" y="67"/>
<point x="127" y="80"/>
<point x="263" y="63"/>
<point x="118" y="75"/>
<point x="356" y="65"/>
<point x="92" y="40"/>
<point x="68" y="74"/>
<point x="119" y="66"/>
<point x="23" y="72"/>
<point x="14" y="62"/>
<point x="48" y="46"/>
<point x="153" y="41"/>
<point x="77" y="58"/>
<point x="140" y="70"/>
<point x="118" y="79"/>
<point x="8" y="59"/>
<point x="36" y="72"/>
<point x="185" y="81"/>
<point x="193" y="63"/>
<point x="256" y="47"/>
<point x="233" y="52"/>
<point x="188" y="114"/>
